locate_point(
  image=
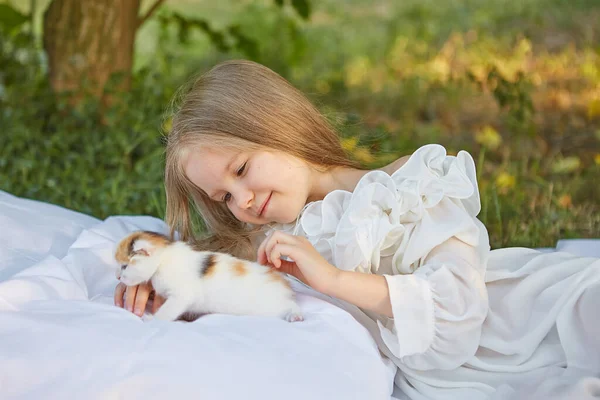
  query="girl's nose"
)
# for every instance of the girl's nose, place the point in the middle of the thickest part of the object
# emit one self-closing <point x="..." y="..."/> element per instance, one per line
<point x="244" y="199"/>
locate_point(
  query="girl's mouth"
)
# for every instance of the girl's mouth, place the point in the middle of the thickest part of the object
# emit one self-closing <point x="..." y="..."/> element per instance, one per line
<point x="264" y="206"/>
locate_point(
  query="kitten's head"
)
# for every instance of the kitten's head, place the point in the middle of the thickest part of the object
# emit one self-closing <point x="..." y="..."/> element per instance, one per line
<point x="138" y="256"/>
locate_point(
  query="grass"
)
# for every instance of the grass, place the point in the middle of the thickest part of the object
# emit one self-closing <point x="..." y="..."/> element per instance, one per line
<point x="516" y="83"/>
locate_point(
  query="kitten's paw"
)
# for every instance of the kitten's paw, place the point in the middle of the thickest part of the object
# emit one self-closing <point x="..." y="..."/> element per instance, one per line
<point x="294" y="316"/>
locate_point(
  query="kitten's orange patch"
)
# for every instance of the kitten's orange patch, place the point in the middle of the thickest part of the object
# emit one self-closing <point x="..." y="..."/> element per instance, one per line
<point x="278" y="277"/>
<point x="239" y="268"/>
<point x="156" y="239"/>
<point x="122" y="253"/>
<point x="125" y="247"/>
<point x="209" y="265"/>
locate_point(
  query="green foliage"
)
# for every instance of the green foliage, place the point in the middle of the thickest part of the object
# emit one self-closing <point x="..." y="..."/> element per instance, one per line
<point x="513" y="96"/>
<point x="11" y="18"/>
<point x="73" y="157"/>
<point x="234" y="36"/>
<point x="225" y="40"/>
<point x="302" y="7"/>
<point x="516" y="83"/>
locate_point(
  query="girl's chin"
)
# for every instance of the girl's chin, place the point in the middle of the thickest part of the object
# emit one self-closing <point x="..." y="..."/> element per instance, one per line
<point x="288" y="219"/>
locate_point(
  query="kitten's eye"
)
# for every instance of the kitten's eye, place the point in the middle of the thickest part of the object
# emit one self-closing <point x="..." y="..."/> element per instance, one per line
<point x="241" y="170"/>
<point x="227" y="197"/>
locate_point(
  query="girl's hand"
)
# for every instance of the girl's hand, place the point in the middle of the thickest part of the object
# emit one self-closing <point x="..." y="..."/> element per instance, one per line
<point x="136" y="298"/>
<point x="307" y="264"/>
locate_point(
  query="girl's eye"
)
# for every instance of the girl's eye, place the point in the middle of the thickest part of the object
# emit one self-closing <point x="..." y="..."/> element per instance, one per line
<point x="123" y="267"/>
<point x="241" y="170"/>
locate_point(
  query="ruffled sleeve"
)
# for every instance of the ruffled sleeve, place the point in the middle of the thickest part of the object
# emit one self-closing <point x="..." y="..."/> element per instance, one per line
<point x="438" y="311"/>
<point x="417" y="228"/>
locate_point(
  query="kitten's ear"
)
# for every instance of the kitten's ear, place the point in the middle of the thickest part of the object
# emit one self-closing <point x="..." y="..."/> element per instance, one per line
<point x="143" y="247"/>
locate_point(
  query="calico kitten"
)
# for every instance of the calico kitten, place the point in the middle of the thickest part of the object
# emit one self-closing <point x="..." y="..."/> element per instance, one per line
<point x="202" y="282"/>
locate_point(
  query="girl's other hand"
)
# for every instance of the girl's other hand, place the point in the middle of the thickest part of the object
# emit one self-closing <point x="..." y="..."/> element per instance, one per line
<point x="307" y="264"/>
<point x="135" y="298"/>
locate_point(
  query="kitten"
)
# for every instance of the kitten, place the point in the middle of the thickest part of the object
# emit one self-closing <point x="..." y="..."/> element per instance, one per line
<point x="202" y="282"/>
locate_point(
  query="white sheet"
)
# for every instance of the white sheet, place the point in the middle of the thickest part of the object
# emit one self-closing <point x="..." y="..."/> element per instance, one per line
<point x="61" y="337"/>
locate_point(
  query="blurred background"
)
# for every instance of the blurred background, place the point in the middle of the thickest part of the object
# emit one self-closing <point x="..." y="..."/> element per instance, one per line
<point x="86" y="85"/>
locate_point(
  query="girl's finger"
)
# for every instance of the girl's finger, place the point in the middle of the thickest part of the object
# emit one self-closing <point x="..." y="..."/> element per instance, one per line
<point x="119" y="292"/>
<point x="158" y="301"/>
<point x="141" y="299"/>
<point x="290" y="267"/>
<point x="277" y="238"/>
<point x="261" y="257"/>
<point x="261" y="253"/>
<point x="130" y="297"/>
<point x="268" y="245"/>
<point x="282" y="250"/>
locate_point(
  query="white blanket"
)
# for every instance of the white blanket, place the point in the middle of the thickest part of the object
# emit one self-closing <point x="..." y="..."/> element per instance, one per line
<point x="61" y="337"/>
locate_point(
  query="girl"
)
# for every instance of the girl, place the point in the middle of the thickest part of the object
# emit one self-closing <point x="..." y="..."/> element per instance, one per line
<point x="401" y="246"/>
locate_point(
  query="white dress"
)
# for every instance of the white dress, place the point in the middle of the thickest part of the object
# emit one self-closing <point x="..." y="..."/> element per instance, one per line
<point x="468" y="323"/>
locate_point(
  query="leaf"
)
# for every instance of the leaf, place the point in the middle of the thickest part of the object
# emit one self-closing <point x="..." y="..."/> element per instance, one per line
<point x="322" y="86"/>
<point x="244" y="43"/>
<point x="349" y="144"/>
<point x="184" y="32"/>
<point x="279" y="3"/>
<point x="489" y="138"/>
<point x="593" y="108"/>
<point x="565" y="201"/>
<point x="167" y="124"/>
<point x="357" y="70"/>
<point x="505" y="181"/>
<point x="302" y="7"/>
<point x="184" y="26"/>
<point x="566" y="165"/>
<point x="363" y="155"/>
<point x="11" y="18"/>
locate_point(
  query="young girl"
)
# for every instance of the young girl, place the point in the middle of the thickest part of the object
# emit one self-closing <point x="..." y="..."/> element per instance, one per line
<point x="402" y="246"/>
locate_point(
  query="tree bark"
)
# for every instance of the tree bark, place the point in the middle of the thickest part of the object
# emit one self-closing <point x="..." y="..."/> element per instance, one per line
<point x="86" y="42"/>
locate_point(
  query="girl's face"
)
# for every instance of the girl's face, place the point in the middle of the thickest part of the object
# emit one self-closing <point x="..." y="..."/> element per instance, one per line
<point x="258" y="187"/>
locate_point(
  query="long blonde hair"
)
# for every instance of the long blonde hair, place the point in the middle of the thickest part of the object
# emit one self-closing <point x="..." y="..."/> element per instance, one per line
<point x="240" y="105"/>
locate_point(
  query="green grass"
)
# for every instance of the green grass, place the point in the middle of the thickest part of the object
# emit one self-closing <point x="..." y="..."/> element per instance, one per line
<point x="516" y="83"/>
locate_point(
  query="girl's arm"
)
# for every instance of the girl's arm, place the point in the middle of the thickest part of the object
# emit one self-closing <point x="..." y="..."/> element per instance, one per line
<point x="437" y="311"/>
<point x="365" y="291"/>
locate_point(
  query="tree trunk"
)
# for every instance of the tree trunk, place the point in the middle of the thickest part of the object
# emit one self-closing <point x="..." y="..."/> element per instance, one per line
<point x="88" y="41"/>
